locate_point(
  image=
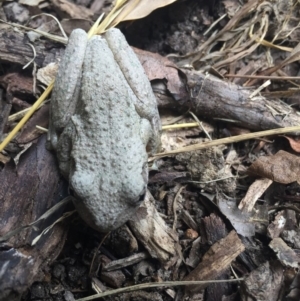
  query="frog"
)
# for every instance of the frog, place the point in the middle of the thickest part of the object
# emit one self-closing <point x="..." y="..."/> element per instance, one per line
<point x="103" y="124"/>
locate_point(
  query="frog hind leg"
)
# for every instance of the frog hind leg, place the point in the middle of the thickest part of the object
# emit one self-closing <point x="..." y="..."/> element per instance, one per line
<point x="67" y="86"/>
<point x="145" y="101"/>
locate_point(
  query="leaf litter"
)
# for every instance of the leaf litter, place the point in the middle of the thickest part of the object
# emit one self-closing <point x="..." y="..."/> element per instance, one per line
<point x="258" y="39"/>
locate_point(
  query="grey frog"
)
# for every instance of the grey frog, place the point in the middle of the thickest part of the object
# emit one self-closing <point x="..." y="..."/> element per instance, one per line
<point x="103" y="116"/>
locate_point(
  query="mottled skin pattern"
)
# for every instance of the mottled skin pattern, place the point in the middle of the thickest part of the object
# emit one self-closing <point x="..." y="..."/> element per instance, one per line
<point x="101" y="143"/>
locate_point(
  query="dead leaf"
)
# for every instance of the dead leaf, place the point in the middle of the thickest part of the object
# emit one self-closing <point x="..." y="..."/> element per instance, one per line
<point x="151" y="230"/>
<point x="70" y="24"/>
<point x="158" y="67"/>
<point x="241" y="221"/>
<point x="294" y="143"/>
<point x="282" y="167"/>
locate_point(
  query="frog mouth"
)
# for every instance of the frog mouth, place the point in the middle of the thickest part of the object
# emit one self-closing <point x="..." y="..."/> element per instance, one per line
<point x="100" y="217"/>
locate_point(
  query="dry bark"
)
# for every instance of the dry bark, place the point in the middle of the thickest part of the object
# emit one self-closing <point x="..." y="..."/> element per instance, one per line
<point x="263" y="283"/>
<point x="27" y="191"/>
<point x="213" y="98"/>
<point x="215" y="261"/>
<point x="153" y="232"/>
<point x="13" y="49"/>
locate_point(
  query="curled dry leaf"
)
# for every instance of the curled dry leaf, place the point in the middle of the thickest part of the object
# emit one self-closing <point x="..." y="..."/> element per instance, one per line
<point x="282" y="167"/>
<point x="158" y="67"/>
<point x="294" y="143"/>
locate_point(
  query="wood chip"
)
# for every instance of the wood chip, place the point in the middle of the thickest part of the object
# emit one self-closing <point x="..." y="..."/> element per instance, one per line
<point x="215" y="261"/>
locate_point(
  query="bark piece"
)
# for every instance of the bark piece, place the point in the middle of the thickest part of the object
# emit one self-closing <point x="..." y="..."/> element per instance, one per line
<point x="214" y="229"/>
<point x="264" y="283"/>
<point x="292" y="237"/>
<point x="189" y="220"/>
<point x="215" y="261"/>
<point x="5" y="108"/>
<point x="29" y="131"/>
<point x="294" y="285"/>
<point x="15" y="83"/>
<point x="284" y="253"/>
<point x="152" y="231"/>
<point x="141" y="295"/>
<point x="168" y="177"/>
<point x="26" y="192"/>
<point x="112" y="278"/>
<point x="13" y="49"/>
<point x="193" y="259"/>
<point x="215" y="98"/>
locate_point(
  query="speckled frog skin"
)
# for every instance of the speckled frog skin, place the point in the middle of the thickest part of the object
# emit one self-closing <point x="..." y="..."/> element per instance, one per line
<point x="103" y="116"/>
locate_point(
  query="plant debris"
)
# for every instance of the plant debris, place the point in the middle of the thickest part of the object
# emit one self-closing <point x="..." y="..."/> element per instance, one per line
<point x="223" y="199"/>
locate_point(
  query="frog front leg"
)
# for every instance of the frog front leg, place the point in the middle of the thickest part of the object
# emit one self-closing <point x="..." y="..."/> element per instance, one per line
<point x="67" y="86"/>
<point x="64" y="147"/>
